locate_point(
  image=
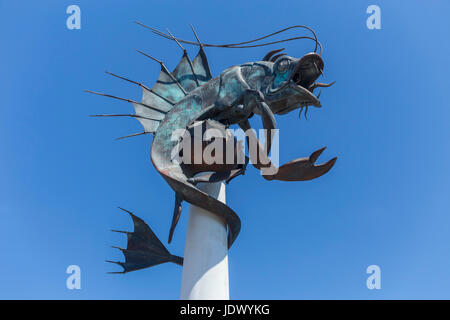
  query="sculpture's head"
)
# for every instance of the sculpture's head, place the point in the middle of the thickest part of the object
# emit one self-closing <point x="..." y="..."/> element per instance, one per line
<point x="293" y="82"/>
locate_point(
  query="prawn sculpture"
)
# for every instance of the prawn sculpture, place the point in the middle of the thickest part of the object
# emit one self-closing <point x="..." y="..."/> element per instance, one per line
<point x="188" y="96"/>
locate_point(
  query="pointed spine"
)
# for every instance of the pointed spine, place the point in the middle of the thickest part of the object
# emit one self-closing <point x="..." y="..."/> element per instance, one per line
<point x="164" y="68"/>
<point x="133" y="135"/>
<point x="124" y="99"/>
<point x="143" y="87"/>
<point x="123" y="115"/>
<point x="196" y="37"/>
<point x="200" y="44"/>
<point x="187" y="57"/>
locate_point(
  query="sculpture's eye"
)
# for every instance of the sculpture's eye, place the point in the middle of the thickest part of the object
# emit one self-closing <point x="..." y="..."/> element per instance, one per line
<point x="283" y="66"/>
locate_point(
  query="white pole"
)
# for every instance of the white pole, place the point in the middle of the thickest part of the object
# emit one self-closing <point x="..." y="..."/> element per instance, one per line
<point x="205" y="266"/>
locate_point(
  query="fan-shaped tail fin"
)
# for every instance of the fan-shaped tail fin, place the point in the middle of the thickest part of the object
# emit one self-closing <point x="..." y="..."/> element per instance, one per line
<point x="144" y="249"/>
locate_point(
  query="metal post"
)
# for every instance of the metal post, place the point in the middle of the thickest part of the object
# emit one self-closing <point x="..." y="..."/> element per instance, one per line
<point x="205" y="267"/>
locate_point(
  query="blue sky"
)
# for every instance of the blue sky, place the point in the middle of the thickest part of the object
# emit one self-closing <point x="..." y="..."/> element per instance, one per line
<point x="386" y="201"/>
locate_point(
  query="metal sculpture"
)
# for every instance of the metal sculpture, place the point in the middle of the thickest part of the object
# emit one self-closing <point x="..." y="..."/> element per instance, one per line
<point x="190" y="96"/>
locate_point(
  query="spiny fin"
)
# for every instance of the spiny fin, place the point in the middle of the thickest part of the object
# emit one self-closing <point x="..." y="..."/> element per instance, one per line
<point x="190" y="74"/>
<point x="201" y="65"/>
<point x="149" y="112"/>
<point x="147" y="115"/>
<point x="176" y="215"/>
<point x="169" y="89"/>
<point x="166" y="86"/>
<point x="184" y="73"/>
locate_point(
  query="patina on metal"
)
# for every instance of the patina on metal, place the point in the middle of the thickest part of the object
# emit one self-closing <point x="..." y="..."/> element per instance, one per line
<point x="190" y="96"/>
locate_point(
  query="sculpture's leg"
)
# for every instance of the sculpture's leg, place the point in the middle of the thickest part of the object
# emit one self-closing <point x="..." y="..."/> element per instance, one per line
<point x="237" y="172"/>
<point x="259" y="156"/>
<point x="176" y="215"/>
<point x="256" y="98"/>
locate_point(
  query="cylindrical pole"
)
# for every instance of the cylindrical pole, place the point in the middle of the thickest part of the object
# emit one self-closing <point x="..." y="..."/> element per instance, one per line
<point x="205" y="266"/>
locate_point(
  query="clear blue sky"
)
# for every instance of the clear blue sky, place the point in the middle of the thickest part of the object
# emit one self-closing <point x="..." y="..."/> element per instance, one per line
<point x="386" y="202"/>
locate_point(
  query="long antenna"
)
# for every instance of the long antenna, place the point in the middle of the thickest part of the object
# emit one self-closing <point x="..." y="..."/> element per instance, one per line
<point x="244" y="43"/>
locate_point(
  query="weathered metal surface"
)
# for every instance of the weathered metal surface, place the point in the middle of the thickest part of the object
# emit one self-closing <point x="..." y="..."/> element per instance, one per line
<point x="278" y="84"/>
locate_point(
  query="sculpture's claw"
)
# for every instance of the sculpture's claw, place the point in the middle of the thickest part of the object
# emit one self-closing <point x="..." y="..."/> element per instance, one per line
<point x="315" y="155"/>
<point x="303" y="168"/>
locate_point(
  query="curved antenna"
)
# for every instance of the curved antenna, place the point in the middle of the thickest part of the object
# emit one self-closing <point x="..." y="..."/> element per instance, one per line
<point x="244" y="44"/>
<point x="277" y="56"/>
<point x="270" y="54"/>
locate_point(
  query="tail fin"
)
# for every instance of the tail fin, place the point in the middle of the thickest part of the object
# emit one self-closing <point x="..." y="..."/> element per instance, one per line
<point x="144" y="249"/>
